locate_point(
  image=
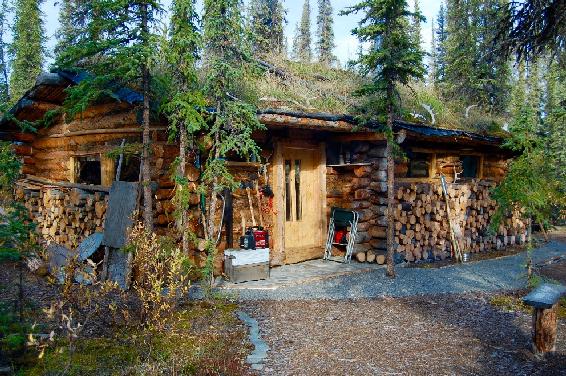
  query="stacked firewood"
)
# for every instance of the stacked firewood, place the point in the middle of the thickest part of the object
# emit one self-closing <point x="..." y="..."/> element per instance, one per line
<point x="65" y="216"/>
<point x="422" y="230"/>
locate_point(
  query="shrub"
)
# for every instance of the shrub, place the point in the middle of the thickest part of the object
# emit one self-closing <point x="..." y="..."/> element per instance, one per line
<point x="160" y="275"/>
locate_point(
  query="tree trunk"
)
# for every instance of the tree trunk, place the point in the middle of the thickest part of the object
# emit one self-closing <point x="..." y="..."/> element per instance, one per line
<point x="182" y="172"/>
<point x="544" y="330"/>
<point x="146" y="173"/>
<point x="390" y="187"/>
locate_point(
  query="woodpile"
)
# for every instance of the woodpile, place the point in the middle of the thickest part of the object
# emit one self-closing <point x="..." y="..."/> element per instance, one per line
<point x="64" y="216"/>
<point x="362" y="186"/>
<point x="421" y="224"/>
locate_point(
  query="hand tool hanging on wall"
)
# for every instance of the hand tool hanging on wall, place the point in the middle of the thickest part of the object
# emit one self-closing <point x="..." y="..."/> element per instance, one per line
<point x="247" y="187"/>
<point x="455" y="246"/>
<point x="258" y="196"/>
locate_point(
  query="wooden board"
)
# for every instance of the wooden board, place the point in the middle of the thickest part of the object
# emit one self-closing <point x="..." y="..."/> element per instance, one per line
<point x="121" y="206"/>
<point x="302" y="203"/>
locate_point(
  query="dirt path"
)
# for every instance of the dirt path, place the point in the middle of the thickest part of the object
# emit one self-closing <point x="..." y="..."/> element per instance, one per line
<point x="415" y="329"/>
<point x="440" y="335"/>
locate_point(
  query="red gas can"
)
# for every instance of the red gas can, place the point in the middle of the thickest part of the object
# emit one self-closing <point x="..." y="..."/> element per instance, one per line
<point x="261" y="237"/>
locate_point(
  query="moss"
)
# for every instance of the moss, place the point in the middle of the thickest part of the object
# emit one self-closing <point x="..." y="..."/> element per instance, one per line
<point x="201" y="339"/>
<point x="510" y="303"/>
<point x="515" y="303"/>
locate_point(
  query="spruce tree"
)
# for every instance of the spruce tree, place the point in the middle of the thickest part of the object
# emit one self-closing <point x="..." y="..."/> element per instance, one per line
<point x="473" y="71"/>
<point x="4" y="63"/>
<point x="396" y="60"/>
<point x="460" y="78"/>
<point x="302" y="44"/>
<point x="27" y="47"/>
<point x="115" y="48"/>
<point x="534" y="181"/>
<point x="432" y="57"/>
<point x="441" y="34"/>
<point x="416" y="24"/>
<point x="185" y="102"/>
<point x="267" y="19"/>
<point x="226" y="59"/>
<point x="72" y="19"/>
<point x="325" y="33"/>
<point x="555" y="119"/>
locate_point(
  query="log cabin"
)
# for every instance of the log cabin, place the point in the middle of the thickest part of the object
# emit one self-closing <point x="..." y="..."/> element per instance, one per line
<point x="311" y="161"/>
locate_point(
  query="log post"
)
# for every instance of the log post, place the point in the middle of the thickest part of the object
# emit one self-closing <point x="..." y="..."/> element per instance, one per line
<point x="544" y="330"/>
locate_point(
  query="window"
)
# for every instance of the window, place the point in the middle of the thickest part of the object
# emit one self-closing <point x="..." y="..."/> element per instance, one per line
<point x="419" y="164"/>
<point x="470" y="165"/>
<point x="298" y="208"/>
<point x="288" y="190"/>
<point x="130" y="170"/>
<point x="293" y="204"/>
<point x="88" y="170"/>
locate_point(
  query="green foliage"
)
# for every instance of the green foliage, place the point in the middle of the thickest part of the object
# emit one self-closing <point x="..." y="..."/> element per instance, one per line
<point x="440" y="52"/>
<point x="15" y="225"/>
<point x="27" y="47"/>
<point x="112" y="44"/>
<point x="234" y="120"/>
<point x="416" y="24"/>
<point x="533" y="183"/>
<point x="302" y="47"/>
<point x="325" y="33"/>
<point x="473" y="72"/>
<point x="4" y="61"/>
<point x="395" y="59"/>
<point x="267" y="22"/>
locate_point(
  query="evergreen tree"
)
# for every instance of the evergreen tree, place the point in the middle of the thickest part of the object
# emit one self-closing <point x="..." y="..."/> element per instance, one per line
<point x="493" y="73"/>
<point x="555" y="119"/>
<point x="416" y="24"/>
<point x="72" y="19"/>
<point x="27" y="47"/>
<point x="226" y="57"/>
<point x="302" y="43"/>
<point x="473" y="71"/>
<point x="4" y="63"/>
<point x="185" y="102"/>
<point x="459" y="72"/>
<point x="432" y="57"/>
<point x="395" y="61"/>
<point x="115" y="47"/>
<point x="533" y="182"/>
<point x="441" y="34"/>
<point x="267" y="20"/>
<point x="325" y="33"/>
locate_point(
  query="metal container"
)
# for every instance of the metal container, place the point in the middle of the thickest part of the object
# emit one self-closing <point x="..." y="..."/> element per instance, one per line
<point x="246" y="265"/>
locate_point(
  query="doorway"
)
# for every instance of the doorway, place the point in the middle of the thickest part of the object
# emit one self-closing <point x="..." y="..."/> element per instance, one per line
<point x="304" y="197"/>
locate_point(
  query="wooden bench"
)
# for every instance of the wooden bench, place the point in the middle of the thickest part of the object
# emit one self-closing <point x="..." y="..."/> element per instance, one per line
<point x="544" y="300"/>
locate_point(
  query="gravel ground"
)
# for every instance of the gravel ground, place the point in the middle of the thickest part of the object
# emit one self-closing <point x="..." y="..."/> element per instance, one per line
<point x="507" y="273"/>
<point x="422" y="335"/>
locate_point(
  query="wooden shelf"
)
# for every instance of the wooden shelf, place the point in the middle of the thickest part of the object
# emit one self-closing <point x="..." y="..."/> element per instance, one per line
<point x="243" y="164"/>
<point x="349" y="165"/>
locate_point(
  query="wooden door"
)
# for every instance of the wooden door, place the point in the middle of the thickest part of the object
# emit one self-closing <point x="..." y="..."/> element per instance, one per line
<point x="302" y="203"/>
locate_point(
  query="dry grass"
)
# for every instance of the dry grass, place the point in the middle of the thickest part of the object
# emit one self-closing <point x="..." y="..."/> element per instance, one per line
<point x="306" y="87"/>
<point x="314" y="87"/>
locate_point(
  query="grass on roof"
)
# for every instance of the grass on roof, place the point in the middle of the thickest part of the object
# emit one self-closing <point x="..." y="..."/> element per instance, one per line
<point x="308" y="87"/>
<point x="314" y="87"/>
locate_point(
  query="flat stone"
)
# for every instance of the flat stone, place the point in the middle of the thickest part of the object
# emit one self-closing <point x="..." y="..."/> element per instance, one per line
<point x="89" y="245"/>
<point x="545" y="296"/>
